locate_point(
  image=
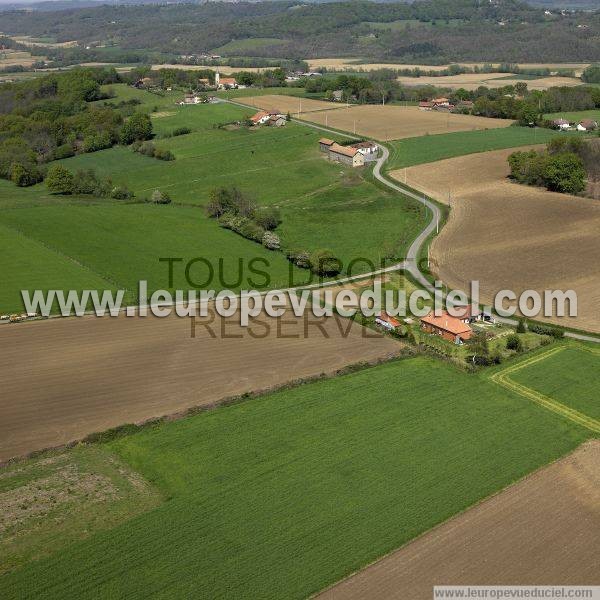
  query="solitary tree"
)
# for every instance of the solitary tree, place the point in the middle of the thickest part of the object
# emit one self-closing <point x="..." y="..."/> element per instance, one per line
<point x="138" y="127"/>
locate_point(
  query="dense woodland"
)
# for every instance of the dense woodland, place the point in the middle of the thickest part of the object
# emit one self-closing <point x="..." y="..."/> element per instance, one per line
<point x="55" y="117"/>
<point x="431" y="31"/>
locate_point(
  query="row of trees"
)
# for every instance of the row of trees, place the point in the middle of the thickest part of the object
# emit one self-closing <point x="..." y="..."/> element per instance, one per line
<point x="60" y="180"/>
<point x="236" y="211"/>
<point x="515" y="102"/>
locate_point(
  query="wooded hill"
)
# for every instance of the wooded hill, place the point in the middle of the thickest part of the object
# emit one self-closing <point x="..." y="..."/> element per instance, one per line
<point x="428" y="31"/>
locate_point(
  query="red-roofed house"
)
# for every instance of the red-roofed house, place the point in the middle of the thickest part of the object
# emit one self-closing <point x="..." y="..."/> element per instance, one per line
<point x="446" y="326"/>
<point x="387" y="322"/>
<point x="260" y="117"/>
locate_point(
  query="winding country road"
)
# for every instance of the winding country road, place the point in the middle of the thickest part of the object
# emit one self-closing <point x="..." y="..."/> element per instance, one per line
<point x="411" y="262"/>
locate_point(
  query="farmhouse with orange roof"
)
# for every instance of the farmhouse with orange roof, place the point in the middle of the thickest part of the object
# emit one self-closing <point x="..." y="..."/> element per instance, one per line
<point x="448" y="327"/>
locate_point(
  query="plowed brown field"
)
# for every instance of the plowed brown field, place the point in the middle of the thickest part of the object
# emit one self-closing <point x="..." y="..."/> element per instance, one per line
<point x="397" y="122"/>
<point x="66" y="378"/>
<point x="511" y="236"/>
<point x="543" y="530"/>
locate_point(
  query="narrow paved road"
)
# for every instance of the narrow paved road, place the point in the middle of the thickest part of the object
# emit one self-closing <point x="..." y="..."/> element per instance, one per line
<point x="411" y="263"/>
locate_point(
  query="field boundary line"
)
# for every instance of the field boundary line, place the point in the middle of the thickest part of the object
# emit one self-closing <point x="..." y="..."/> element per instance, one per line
<point x="503" y="378"/>
<point x="70" y="259"/>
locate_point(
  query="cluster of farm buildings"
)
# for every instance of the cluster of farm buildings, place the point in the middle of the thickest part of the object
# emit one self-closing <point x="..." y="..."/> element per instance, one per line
<point x="584" y="125"/>
<point x="444" y="105"/>
<point x="456" y="329"/>
<point x="271" y="118"/>
<point x="354" y="156"/>
<point x="204" y="85"/>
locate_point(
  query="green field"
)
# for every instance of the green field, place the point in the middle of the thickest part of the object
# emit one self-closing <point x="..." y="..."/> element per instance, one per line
<point x="351" y="218"/>
<point x="419" y="150"/>
<point x="567" y="377"/>
<point x="285" y="494"/>
<point x="112" y="246"/>
<point x="76" y="243"/>
<point x="576" y="116"/>
<point x="29" y="264"/>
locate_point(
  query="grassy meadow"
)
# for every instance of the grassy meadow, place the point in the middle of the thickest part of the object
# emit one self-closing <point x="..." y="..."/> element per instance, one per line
<point x="576" y="116"/>
<point x="62" y="242"/>
<point x="425" y="149"/>
<point x="285" y="494"/>
<point x="566" y="377"/>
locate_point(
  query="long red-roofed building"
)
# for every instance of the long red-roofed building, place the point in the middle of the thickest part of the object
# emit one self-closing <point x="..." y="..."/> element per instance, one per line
<point x="446" y="326"/>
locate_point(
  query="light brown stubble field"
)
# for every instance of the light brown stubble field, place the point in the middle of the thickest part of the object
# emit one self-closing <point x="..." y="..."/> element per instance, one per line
<point x="472" y="81"/>
<point x="354" y="63"/>
<point x="285" y="104"/>
<point x="397" y="122"/>
<point x="542" y="530"/>
<point x="67" y="378"/>
<point x="511" y="236"/>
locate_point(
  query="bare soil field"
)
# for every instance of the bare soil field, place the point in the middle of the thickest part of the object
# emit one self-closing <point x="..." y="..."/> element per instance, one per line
<point x="511" y="236"/>
<point x="398" y="122"/>
<point x="66" y="378"/>
<point x="292" y="104"/>
<point x="472" y="81"/>
<point x="542" y="530"/>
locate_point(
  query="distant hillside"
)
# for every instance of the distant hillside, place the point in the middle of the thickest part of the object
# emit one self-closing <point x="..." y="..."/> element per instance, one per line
<point x="567" y="4"/>
<point x="426" y="31"/>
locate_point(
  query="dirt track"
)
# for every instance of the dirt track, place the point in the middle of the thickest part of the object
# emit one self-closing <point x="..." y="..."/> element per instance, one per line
<point x="511" y="236"/>
<point x="543" y="530"/>
<point x="66" y="378"/>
